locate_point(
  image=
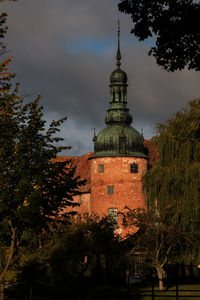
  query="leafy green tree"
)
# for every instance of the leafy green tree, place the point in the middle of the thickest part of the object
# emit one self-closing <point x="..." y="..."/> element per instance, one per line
<point x="77" y="249"/>
<point x="34" y="187"/>
<point x="67" y="253"/>
<point x="156" y="242"/>
<point x="174" y="24"/>
<point x="174" y="181"/>
<point x="169" y="230"/>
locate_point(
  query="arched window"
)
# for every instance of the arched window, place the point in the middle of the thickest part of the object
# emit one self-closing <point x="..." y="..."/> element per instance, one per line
<point x="134" y="168"/>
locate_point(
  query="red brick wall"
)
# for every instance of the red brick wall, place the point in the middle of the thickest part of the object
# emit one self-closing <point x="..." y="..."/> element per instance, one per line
<point x="84" y="207"/>
<point x="84" y="201"/>
<point x="127" y="185"/>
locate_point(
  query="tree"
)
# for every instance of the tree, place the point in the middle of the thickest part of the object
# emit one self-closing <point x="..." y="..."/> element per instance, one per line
<point x="68" y="253"/>
<point x="3" y="29"/>
<point x="77" y="249"/>
<point x="157" y="241"/>
<point x="173" y="195"/>
<point x="34" y="187"/>
<point x="174" y="180"/>
<point x="173" y="24"/>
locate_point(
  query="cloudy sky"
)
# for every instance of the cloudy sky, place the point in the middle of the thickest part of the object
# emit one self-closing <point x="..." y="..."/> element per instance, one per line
<point x="65" y="51"/>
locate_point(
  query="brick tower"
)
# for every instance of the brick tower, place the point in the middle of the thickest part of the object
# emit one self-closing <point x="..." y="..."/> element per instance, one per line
<point x="119" y="160"/>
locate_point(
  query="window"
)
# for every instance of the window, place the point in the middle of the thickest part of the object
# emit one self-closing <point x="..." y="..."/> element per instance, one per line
<point x="100" y="168"/>
<point x="134" y="168"/>
<point x="136" y="268"/>
<point x="113" y="215"/>
<point x="110" y="189"/>
<point x="119" y="96"/>
<point x="122" y="145"/>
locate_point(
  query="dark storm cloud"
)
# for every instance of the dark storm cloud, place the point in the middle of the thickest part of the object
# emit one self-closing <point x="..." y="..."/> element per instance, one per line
<point x="65" y="51"/>
<point x="154" y="93"/>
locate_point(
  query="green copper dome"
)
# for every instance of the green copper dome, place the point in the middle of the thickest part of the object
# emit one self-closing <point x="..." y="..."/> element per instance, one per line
<point x="118" y="76"/>
<point x="118" y="138"/>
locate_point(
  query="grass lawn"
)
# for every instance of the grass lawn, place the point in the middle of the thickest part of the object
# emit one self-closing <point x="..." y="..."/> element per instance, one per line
<point x="185" y="291"/>
<point x="137" y="292"/>
<point x="111" y="291"/>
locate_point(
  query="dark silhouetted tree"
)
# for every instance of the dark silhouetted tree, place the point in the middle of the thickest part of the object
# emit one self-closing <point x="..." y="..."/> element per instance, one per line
<point x="173" y="24"/>
<point x="34" y="186"/>
<point x="73" y="249"/>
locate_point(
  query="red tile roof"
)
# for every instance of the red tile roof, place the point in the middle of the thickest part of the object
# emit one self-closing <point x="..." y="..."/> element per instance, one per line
<point x="82" y="164"/>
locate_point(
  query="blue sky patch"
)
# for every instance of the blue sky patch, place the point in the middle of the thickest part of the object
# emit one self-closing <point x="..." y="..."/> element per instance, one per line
<point x="96" y="46"/>
<point x="100" y="46"/>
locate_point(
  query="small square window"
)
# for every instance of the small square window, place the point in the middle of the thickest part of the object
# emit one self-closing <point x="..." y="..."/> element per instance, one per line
<point x="100" y="168"/>
<point x="134" y="168"/>
<point x="110" y="189"/>
<point x="113" y="215"/>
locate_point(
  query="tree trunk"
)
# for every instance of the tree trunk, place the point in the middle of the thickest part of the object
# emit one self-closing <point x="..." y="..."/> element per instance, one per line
<point x="1" y="281"/>
<point x="31" y="293"/>
<point x="8" y="261"/>
<point x="9" y="258"/>
<point x="1" y="290"/>
<point x="160" y="272"/>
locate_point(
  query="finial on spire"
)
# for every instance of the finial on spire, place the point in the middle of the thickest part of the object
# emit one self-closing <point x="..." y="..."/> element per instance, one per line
<point x="94" y="136"/>
<point x="142" y="132"/>
<point x="118" y="57"/>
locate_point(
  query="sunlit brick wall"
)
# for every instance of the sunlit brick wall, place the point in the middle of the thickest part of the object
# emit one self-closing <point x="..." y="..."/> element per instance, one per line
<point x="116" y="173"/>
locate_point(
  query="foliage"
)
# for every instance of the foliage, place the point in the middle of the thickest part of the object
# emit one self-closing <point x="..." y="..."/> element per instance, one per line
<point x="157" y="241"/>
<point x="173" y="182"/>
<point x="34" y="186"/>
<point x="175" y="26"/>
<point x="3" y="29"/>
<point x="169" y="229"/>
<point x="74" y="250"/>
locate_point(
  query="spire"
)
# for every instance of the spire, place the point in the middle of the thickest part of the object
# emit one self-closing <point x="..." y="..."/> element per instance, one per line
<point x="118" y="138"/>
<point x="118" y="57"/>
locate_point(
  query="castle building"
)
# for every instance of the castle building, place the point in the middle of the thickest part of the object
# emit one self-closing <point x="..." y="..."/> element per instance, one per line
<point x="115" y="169"/>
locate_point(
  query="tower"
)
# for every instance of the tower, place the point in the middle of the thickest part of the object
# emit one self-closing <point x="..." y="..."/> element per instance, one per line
<point x="119" y="160"/>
